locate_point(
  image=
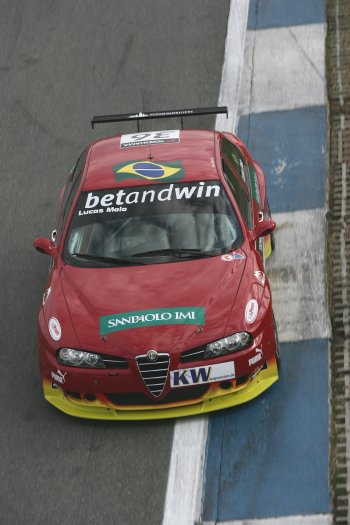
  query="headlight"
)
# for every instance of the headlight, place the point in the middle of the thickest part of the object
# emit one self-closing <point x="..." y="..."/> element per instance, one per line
<point x="229" y="344"/>
<point x="71" y="357"/>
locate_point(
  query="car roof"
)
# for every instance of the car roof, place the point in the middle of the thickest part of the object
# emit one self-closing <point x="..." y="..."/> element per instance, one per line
<point x="195" y="150"/>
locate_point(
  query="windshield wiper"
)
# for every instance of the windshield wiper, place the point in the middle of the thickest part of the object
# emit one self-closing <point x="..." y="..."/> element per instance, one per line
<point x="109" y="260"/>
<point x="176" y="252"/>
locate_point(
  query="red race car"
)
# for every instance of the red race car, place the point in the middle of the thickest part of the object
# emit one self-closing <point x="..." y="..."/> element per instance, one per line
<point x="157" y="303"/>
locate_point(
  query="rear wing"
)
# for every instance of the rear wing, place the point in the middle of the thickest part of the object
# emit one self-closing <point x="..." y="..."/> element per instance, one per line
<point x="102" y="119"/>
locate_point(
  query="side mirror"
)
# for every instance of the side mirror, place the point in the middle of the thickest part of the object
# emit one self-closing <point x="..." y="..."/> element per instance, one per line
<point x="263" y="228"/>
<point x="44" y="245"/>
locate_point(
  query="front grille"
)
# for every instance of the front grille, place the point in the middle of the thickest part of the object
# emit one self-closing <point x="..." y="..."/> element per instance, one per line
<point x="177" y="395"/>
<point x="112" y="361"/>
<point x="195" y="354"/>
<point x="154" y="374"/>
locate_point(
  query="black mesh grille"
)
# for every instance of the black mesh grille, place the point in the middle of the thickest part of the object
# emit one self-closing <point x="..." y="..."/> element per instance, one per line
<point x="194" y="354"/>
<point x="76" y="395"/>
<point x="187" y="393"/>
<point x="154" y="373"/>
<point x="241" y="380"/>
<point x="112" y="361"/>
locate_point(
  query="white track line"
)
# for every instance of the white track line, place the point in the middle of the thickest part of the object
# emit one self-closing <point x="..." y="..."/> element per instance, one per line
<point x="233" y="64"/>
<point x="183" y="500"/>
<point x="296" y="275"/>
<point x="285" y="68"/>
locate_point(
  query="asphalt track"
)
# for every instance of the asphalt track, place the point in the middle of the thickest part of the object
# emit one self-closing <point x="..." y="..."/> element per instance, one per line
<point x="60" y="63"/>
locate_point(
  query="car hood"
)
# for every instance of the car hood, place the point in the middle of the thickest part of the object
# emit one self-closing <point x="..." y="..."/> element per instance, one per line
<point x="208" y="286"/>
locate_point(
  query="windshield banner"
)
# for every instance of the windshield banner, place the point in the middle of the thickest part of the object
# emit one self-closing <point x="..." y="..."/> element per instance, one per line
<point x="130" y="201"/>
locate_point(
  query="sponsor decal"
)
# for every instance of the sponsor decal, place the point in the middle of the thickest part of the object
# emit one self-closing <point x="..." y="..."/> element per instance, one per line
<point x="202" y="374"/>
<point x="102" y="201"/>
<point x="255" y="359"/>
<point x="236" y="158"/>
<point x="255" y="186"/>
<point x="260" y="276"/>
<point x="147" y="170"/>
<point x="256" y="371"/>
<point x="237" y="255"/>
<point x="55" y="329"/>
<point x="232" y="256"/>
<point x="59" y="376"/>
<point x="46" y="295"/>
<point x="157" y="114"/>
<point x="243" y="174"/>
<point x="150" y="137"/>
<point x="238" y="164"/>
<point x="251" y="311"/>
<point x="140" y="114"/>
<point x="156" y="317"/>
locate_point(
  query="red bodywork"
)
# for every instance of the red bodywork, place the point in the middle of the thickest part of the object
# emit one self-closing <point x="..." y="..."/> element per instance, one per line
<point x="79" y="297"/>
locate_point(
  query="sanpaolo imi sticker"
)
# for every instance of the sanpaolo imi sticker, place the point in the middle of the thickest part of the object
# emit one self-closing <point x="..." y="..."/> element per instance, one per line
<point x="202" y="374"/>
<point x="147" y="170"/>
<point x="160" y="316"/>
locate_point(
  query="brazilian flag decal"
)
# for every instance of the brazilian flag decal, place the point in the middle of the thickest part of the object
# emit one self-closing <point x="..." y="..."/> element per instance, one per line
<point x="149" y="171"/>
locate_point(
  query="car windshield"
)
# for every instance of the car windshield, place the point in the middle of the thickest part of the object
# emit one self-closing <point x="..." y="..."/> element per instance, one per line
<point x="151" y="224"/>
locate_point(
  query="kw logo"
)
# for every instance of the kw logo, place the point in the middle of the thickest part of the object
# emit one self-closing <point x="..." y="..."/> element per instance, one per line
<point x="150" y="171"/>
<point x="191" y="376"/>
<point x="202" y="374"/>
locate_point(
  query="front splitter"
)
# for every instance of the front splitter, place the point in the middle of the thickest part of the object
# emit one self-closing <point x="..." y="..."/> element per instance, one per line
<point x="97" y="410"/>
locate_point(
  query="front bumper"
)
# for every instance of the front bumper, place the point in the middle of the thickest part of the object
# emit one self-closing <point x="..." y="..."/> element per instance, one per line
<point x="214" y="399"/>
